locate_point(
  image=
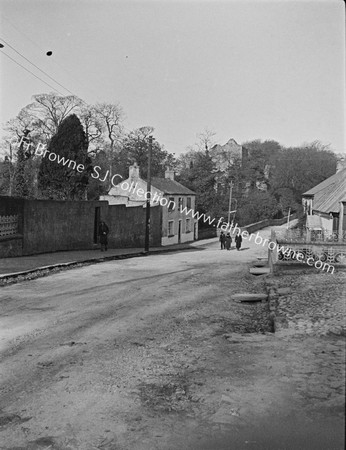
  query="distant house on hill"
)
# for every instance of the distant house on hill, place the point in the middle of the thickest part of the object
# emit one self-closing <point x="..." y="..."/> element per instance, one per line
<point x="325" y="204"/>
<point x="224" y="156"/>
<point x="177" y="226"/>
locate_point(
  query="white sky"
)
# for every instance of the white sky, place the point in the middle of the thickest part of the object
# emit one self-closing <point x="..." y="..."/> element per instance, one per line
<point x="245" y="69"/>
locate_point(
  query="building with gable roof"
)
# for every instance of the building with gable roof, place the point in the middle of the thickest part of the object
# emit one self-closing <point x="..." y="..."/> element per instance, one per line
<point x="325" y="204"/>
<point x="177" y="203"/>
<point x="323" y="239"/>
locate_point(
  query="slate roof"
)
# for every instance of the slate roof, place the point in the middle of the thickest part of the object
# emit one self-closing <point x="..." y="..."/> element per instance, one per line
<point x="172" y="187"/>
<point x="328" y="194"/>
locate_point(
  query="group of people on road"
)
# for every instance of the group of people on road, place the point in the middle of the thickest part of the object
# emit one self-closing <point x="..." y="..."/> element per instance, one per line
<point x="226" y="241"/>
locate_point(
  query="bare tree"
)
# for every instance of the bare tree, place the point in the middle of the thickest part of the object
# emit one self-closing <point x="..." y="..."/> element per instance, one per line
<point x="48" y="111"/>
<point x="142" y="132"/>
<point x="17" y="126"/>
<point x="205" y="139"/>
<point x="94" y="127"/>
<point x="110" y="116"/>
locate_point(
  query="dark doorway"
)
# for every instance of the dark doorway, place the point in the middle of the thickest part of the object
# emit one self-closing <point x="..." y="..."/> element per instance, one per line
<point x="335" y="223"/>
<point x="96" y="223"/>
<point x="179" y="232"/>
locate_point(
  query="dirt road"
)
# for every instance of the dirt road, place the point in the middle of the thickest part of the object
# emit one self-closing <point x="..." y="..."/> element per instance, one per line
<point x="151" y="353"/>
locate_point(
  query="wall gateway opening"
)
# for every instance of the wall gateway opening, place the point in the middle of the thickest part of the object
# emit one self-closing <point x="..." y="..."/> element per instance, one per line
<point x="96" y="223"/>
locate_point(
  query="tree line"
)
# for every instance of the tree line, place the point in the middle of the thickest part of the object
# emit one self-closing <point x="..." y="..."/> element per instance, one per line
<point x="267" y="179"/>
<point x="92" y="135"/>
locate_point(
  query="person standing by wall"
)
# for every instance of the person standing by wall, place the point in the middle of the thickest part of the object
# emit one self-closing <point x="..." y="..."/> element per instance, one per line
<point x="228" y="241"/>
<point x="238" y="240"/>
<point x="103" y="233"/>
<point x="222" y="240"/>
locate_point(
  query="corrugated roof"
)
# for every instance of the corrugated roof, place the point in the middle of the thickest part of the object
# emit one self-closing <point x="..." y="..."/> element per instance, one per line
<point x="338" y="176"/>
<point x="169" y="186"/>
<point x="319" y="223"/>
<point x="328" y="194"/>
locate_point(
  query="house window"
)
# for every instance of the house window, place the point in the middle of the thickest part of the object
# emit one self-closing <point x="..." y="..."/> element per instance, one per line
<point x="170" y="228"/>
<point x="188" y="202"/>
<point x="188" y="225"/>
<point x="181" y="203"/>
<point x="171" y="204"/>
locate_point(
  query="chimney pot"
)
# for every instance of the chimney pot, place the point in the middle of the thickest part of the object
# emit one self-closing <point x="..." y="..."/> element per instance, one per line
<point x="169" y="174"/>
<point x="134" y="172"/>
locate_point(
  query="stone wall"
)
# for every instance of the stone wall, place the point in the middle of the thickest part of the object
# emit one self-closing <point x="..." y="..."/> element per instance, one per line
<point x="253" y="227"/>
<point x="127" y="226"/>
<point x="207" y="233"/>
<point x="50" y="225"/>
<point x="11" y="246"/>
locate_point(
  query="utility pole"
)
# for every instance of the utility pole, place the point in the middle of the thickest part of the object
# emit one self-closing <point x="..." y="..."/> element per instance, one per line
<point x="288" y="218"/>
<point x="230" y="201"/>
<point x="147" y="220"/>
<point x="11" y="171"/>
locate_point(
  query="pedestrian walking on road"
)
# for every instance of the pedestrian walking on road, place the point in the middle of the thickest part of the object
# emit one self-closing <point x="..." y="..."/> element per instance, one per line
<point x="228" y="241"/>
<point x="238" y="240"/>
<point x="222" y="240"/>
<point x="103" y="233"/>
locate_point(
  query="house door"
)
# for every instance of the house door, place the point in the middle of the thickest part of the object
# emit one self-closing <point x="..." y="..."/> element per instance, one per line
<point x="96" y="223"/>
<point x="179" y="232"/>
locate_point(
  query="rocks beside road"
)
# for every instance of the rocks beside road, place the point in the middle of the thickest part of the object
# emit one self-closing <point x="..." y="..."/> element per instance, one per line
<point x="308" y="311"/>
<point x="310" y="303"/>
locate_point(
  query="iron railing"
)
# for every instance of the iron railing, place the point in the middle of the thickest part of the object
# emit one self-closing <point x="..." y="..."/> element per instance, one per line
<point x="8" y="225"/>
<point x="303" y="235"/>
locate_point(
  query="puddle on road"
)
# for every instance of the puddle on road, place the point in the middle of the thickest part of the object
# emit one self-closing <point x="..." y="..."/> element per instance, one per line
<point x="255" y="319"/>
<point x="43" y="443"/>
<point x="168" y="397"/>
<point x="12" y="419"/>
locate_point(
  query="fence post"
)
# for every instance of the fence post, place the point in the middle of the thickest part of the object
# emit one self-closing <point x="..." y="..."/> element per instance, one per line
<point x="271" y="261"/>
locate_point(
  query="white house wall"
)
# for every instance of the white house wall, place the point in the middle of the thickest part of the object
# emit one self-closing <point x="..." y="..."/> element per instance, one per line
<point x="132" y="193"/>
<point x="175" y="216"/>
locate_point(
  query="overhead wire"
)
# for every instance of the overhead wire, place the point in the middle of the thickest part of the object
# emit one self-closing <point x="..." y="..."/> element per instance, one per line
<point x="52" y="87"/>
<point x="33" y="64"/>
<point x="49" y="85"/>
<point x="54" y="62"/>
<point x="45" y="73"/>
<point x="20" y="31"/>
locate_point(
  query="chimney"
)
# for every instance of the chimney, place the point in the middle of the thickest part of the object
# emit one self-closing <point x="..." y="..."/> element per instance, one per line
<point x="340" y="163"/>
<point x="169" y="174"/>
<point x="134" y="172"/>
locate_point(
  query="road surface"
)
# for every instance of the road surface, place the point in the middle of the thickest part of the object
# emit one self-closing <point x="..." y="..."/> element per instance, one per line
<point x="151" y="353"/>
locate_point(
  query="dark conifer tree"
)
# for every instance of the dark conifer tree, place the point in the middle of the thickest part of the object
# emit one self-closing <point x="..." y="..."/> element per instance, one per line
<point x="20" y="181"/>
<point x="60" y="181"/>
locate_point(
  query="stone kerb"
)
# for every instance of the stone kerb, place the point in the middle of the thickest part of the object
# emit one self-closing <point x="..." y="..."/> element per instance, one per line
<point x="275" y="294"/>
